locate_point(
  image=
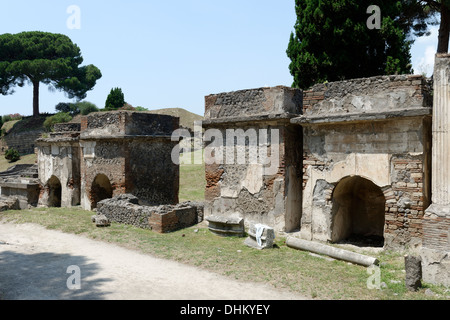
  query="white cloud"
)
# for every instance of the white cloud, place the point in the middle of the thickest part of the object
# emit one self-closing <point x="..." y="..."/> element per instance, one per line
<point x="425" y="64"/>
<point x="423" y="52"/>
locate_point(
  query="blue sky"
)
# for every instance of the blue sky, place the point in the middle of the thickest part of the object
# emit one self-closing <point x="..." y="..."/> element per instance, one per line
<point x="167" y="54"/>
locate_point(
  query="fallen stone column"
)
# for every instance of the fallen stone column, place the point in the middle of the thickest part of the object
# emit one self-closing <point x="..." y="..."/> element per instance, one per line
<point x="333" y="252"/>
<point x="262" y="240"/>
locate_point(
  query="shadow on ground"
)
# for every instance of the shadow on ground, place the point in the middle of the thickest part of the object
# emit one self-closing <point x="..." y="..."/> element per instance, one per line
<point x="44" y="276"/>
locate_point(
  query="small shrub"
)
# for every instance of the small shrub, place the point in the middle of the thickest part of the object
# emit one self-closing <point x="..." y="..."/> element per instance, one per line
<point x="86" y="107"/>
<point x="139" y="108"/>
<point x="12" y="155"/>
<point x="11" y="117"/>
<point x="60" y="117"/>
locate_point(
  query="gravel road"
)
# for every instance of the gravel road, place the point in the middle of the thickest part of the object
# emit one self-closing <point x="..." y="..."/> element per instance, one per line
<point x="36" y="264"/>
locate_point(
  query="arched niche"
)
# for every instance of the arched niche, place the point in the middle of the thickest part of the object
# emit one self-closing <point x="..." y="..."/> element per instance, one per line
<point x="358" y="212"/>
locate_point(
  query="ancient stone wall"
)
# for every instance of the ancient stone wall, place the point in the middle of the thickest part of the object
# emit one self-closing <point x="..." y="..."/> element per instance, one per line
<point x="106" y="158"/>
<point x="152" y="174"/>
<point x="378" y="94"/>
<point x="128" y="152"/>
<point x="23" y="135"/>
<point x="128" y="209"/>
<point x="378" y="129"/>
<point x="264" y="102"/>
<point x="20" y="184"/>
<point x="109" y="154"/>
<point x="59" y="165"/>
<point x="250" y="127"/>
<point x="24" y="142"/>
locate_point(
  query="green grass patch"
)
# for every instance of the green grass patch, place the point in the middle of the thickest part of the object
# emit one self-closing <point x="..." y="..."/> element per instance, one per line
<point x="192" y="178"/>
<point x="7" y="126"/>
<point x="281" y="267"/>
<point x="24" y="159"/>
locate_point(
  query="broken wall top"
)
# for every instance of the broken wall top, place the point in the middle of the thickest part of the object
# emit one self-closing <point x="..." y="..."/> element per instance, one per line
<point x="253" y="104"/>
<point x="127" y="123"/>
<point x="62" y="133"/>
<point x="67" y="127"/>
<point x="373" y="98"/>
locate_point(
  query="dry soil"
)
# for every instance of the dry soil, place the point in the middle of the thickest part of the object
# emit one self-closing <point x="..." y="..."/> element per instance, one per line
<point x="36" y="264"/>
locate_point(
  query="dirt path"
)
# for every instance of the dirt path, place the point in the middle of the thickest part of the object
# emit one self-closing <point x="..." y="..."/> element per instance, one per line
<point x="34" y="266"/>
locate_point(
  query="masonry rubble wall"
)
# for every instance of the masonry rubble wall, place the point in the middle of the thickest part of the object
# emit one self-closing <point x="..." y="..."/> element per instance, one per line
<point x="258" y="192"/>
<point x="20" y="183"/>
<point x="376" y="128"/>
<point x="133" y="150"/>
<point x="59" y="158"/>
<point x="108" y="154"/>
<point x="128" y="209"/>
<point x="24" y="142"/>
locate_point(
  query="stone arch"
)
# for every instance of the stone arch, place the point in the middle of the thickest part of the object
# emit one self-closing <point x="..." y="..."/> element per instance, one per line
<point x="358" y="212"/>
<point x="101" y="189"/>
<point x="54" y="192"/>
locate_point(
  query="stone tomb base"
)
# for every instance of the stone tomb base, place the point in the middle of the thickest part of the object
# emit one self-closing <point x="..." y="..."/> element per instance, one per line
<point x="127" y="209"/>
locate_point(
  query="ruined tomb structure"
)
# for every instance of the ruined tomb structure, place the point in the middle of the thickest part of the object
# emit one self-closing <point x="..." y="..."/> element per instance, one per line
<point x="19" y="184"/>
<point x="59" y="166"/>
<point x="354" y="159"/>
<point x="108" y="154"/>
<point x="366" y="161"/>
<point x="253" y="156"/>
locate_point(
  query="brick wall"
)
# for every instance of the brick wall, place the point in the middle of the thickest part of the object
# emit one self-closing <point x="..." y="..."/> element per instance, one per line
<point x="172" y="220"/>
<point x="162" y="219"/>
<point x="436" y="231"/>
<point x="406" y="206"/>
<point x="406" y="201"/>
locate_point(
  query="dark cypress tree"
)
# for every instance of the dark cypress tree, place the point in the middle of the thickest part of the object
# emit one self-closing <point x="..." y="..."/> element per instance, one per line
<point x="332" y="41"/>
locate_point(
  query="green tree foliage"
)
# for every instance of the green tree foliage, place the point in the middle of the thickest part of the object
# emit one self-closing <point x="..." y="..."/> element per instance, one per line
<point x="60" y="117"/>
<point x="11" y="117"/>
<point x="70" y="108"/>
<point x="12" y="155"/>
<point x="115" y="99"/>
<point x="86" y="107"/>
<point x="421" y="13"/>
<point x="52" y="59"/>
<point x="332" y="41"/>
<point x="81" y="107"/>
